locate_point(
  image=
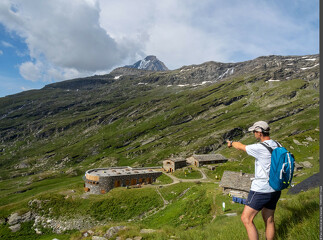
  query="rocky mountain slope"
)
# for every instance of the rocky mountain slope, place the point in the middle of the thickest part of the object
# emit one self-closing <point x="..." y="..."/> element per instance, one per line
<point x="269" y="68"/>
<point x="151" y="63"/>
<point x="138" y="117"/>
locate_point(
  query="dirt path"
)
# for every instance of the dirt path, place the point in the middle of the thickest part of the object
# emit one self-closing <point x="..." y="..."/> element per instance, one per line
<point x="177" y="180"/>
<point x="164" y="200"/>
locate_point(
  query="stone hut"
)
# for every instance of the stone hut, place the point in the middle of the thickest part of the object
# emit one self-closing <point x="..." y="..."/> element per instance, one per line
<point x="171" y="164"/>
<point x="200" y="160"/>
<point x="236" y="183"/>
<point x="102" y="180"/>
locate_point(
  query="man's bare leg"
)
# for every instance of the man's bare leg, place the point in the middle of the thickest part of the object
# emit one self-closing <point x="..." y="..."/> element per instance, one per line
<point x="268" y="216"/>
<point x="247" y="217"/>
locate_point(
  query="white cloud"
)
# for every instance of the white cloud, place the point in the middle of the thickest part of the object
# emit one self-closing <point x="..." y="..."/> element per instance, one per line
<point x="45" y="72"/>
<point x="185" y="32"/>
<point x="65" y="34"/>
<point x="68" y="39"/>
<point x="30" y="71"/>
<point x="6" y="44"/>
<point x="1" y="52"/>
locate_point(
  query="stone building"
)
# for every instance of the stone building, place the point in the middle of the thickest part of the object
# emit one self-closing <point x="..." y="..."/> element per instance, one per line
<point x="236" y="183"/>
<point x="171" y="164"/>
<point x="102" y="180"/>
<point x="200" y="160"/>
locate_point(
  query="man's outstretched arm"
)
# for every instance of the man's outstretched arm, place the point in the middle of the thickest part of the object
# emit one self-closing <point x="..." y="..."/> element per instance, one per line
<point x="237" y="145"/>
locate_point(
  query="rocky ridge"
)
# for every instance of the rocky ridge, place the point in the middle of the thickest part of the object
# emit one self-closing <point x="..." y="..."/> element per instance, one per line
<point x="270" y="68"/>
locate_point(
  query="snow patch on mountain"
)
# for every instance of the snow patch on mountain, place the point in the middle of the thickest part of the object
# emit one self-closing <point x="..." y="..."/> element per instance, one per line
<point x="150" y="63"/>
<point x="305" y="68"/>
<point x="143" y="64"/>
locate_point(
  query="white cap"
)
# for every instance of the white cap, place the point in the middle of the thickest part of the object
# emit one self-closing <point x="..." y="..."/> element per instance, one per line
<point x="260" y="126"/>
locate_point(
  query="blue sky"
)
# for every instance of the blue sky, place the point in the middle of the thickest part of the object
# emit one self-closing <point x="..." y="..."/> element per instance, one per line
<point x="54" y="40"/>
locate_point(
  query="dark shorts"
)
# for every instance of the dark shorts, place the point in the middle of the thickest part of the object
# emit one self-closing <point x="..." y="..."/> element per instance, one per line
<point x="259" y="200"/>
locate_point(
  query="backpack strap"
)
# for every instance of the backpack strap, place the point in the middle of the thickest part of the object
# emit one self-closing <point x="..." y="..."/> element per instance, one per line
<point x="269" y="148"/>
<point x="271" y="151"/>
<point x="278" y="144"/>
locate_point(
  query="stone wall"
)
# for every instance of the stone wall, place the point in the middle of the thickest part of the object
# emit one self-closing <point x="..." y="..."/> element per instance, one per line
<point x="171" y="165"/>
<point x="180" y="164"/>
<point x="201" y="163"/>
<point x="106" y="183"/>
<point x="198" y="163"/>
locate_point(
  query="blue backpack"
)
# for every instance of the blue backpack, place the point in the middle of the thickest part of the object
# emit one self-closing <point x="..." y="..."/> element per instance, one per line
<point x="281" y="168"/>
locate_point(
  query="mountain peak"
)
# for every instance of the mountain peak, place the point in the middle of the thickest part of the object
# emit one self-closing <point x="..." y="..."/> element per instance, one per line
<point x="151" y="63"/>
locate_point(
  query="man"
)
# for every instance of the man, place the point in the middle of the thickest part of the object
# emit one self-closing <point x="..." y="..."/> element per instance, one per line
<point x="261" y="197"/>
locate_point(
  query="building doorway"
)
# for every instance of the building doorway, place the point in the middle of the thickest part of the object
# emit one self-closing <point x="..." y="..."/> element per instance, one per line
<point x="117" y="183"/>
<point x="133" y="181"/>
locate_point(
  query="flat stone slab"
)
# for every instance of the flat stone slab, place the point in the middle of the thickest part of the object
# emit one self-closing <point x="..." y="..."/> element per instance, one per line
<point x="147" y="230"/>
<point x="231" y="214"/>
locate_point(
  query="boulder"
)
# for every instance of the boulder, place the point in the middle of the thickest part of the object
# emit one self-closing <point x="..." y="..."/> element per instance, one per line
<point x="113" y="231"/>
<point x="306" y="164"/>
<point x="297" y="142"/>
<point x="22" y="165"/>
<point x="310" y="139"/>
<point x="298" y="167"/>
<point x="28" y="216"/>
<point x="15" y="228"/>
<point x="38" y="231"/>
<point x="14" y="219"/>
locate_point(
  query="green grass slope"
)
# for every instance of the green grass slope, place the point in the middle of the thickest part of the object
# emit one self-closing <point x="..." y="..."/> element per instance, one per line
<point x="51" y="137"/>
<point x="193" y="211"/>
<point x="157" y="123"/>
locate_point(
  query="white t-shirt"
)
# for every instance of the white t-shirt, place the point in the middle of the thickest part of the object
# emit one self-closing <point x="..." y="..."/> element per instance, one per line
<point x="262" y="163"/>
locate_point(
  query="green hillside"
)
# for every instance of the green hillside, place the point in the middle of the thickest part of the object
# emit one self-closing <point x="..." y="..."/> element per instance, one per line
<point x="144" y="129"/>
<point x="50" y="137"/>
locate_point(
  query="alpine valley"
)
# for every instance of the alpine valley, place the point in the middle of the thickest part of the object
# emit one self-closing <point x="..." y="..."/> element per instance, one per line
<point x="139" y="115"/>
